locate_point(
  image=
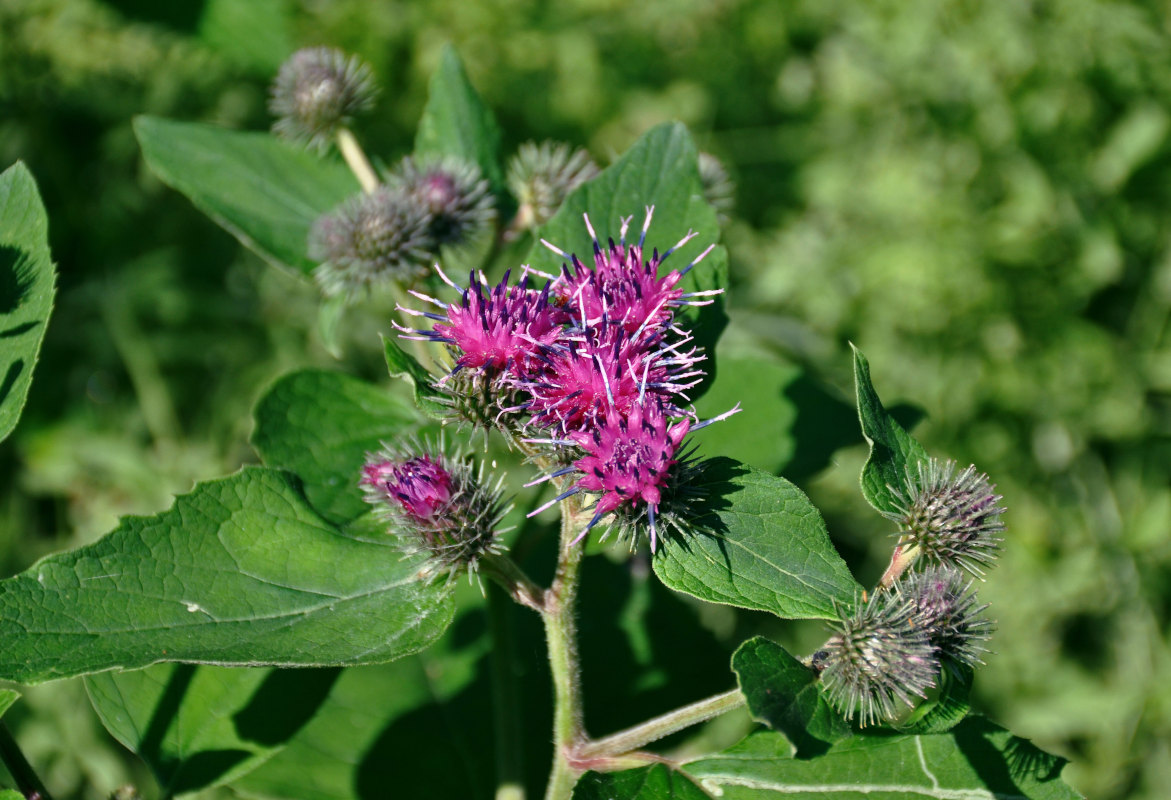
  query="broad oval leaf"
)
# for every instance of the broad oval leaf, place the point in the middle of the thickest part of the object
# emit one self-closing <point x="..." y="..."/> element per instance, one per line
<point x="977" y="759"/>
<point x="892" y="449"/>
<point x="320" y="425"/>
<point x="456" y="122"/>
<point x="241" y="571"/>
<point x="264" y="191"/>
<point x="658" y="170"/>
<point x="785" y="695"/>
<point x="757" y="543"/>
<point x="198" y="726"/>
<point x="27" y="286"/>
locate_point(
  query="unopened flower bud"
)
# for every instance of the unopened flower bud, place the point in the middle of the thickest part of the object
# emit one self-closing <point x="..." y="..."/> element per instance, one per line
<point x="317" y="91"/>
<point x="879" y="661"/>
<point x="437" y="505"/>
<point x="452" y="192"/>
<point x="541" y="176"/>
<point x="369" y="239"/>
<point x="949" y="518"/>
<point x="945" y="606"/>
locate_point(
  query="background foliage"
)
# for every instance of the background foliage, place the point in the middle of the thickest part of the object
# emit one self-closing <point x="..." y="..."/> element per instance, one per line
<point x="974" y="193"/>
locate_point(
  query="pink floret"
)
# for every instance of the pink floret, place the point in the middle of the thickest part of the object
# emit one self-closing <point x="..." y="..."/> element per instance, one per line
<point x="629" y="458"/>
<point x="421" y="486"/>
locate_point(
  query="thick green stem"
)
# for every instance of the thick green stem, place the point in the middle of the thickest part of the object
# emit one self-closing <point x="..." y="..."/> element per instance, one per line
<point x="22" y="772"/>
<point x="561" y="636"/>
<point x="664" y="725"/>
<point x="356" y="160"/>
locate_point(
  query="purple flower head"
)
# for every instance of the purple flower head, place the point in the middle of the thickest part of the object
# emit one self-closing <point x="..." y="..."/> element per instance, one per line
<point x="601" y="371"/>
<point x="631" y="462"/>
<point x="623" y="286"/>
<point x="436" y="504"/>
<point x="496" y="329"/>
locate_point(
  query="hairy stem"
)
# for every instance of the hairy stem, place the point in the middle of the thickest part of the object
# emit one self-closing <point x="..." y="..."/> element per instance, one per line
<point x="22" y="772"/>
<point x="561" y="636"/>
<point x="356" y="160"/>
<point x="663" y="725"/>
<point x="512" y="579"/>
<point x="508" y="729"/>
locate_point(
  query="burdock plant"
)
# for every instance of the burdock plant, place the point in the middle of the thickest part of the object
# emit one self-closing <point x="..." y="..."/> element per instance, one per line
<point x="575" y="347"/>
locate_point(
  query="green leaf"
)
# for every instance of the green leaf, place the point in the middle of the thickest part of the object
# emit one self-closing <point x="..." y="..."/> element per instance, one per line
<point x="402" y="364"/>
<point x="320" y="425"/>
<point x="892" y="450"/>
<point x="27" y="285"/>
<point x="757" y="543"/>
<point x="420" y="727"/>
<point x="11" y="794"/>
<point x="650" y="783"/>
<point x="785" y="695"/>
<point x="241" y="571"/>
<point x="456" y="122"/>
<point x="977" y="759"/>
<point x="658" y="170"/>
<point x="264" y="191"/>
<point x="256" y="35"/>
<point x="201" y="726"/>
<point x="7" y="698"/>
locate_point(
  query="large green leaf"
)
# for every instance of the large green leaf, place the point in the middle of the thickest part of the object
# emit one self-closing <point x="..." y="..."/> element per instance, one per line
<point x="651" y="783"/>
<point x="264" y="191"/>
<point x="456" y="122"/>
<point x="785" y="695"/>
<point x="242" y="571"/>
<point x="892" y="449"/>
<point x="27" y="285"/>
<point x="658" y="170"/>
<point x="758" y="543"/>
<point x="198" y="726"/>
<point x="320" y="425"/>
<point x="975" y="760"/>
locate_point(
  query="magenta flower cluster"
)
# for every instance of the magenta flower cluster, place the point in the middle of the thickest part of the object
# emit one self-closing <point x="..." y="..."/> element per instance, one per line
<point x="594" y="359"/>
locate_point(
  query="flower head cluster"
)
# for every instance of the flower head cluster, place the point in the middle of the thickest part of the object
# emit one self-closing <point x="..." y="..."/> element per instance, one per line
<point x="595" y="359"/>
<point x="317" y="91"/>
<point x="394" y="232"/>
<point x="890" y="650"/>
<point x="437" y="504"/>
<point x="950" y="518"/>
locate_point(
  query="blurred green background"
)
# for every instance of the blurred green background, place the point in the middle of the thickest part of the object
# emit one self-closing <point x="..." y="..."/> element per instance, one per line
<point x="976" y="194"/>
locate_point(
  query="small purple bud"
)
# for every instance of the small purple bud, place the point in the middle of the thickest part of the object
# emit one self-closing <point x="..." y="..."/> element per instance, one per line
<point x="436" y="505"/>
<point x="452" y="192"/>
<point x="945" y="606"/>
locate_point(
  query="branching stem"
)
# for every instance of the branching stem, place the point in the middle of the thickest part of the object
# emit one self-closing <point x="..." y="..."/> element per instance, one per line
<point x="664" y="725"/>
